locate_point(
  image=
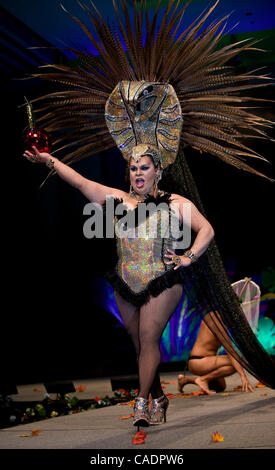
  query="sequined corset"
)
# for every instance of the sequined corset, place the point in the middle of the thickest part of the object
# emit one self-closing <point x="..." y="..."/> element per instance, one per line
<point x="141" y="250"/>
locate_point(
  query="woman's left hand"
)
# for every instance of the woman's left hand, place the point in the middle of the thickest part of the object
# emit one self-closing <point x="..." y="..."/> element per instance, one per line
<point x="177" y="260"/>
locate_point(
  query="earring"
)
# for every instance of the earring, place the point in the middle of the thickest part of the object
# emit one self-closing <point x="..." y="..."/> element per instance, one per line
<point x="156" y="189"/>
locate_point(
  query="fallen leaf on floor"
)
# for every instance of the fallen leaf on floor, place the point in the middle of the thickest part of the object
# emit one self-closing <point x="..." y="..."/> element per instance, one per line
<point x="239" y="387"/>
<point x="126" y="417"/>
<point x="81" y="388"/>
<point x="217" y="437"/>
<point x="198" y="393"/>
<point x="173" y="383"/>
<point x="139" y="438"/>
<point x="260" y="385"/>
<point x="225" y="394"/>
<point x="131" y="403"/>
<point x="37" y="390"/>
<point x="164" y="382"/>
<point x="35" y="432"/>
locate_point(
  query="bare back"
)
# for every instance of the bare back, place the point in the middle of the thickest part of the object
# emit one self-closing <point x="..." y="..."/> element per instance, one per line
<point x="206" y="343"/>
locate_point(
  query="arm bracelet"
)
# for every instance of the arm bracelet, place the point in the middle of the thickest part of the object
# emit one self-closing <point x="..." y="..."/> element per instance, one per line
<point x="190" y="254"/>
<point x="50" y="163"/>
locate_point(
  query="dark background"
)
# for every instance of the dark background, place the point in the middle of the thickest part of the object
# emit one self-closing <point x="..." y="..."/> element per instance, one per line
<point x="51" y="327"/>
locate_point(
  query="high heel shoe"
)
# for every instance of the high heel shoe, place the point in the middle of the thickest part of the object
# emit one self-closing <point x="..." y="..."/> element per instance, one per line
<point x="158" y="410"/>
<point x="141" y="412"/>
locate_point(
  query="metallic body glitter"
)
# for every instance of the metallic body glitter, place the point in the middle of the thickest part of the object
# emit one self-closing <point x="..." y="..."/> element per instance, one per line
<point x="141" y="255"/>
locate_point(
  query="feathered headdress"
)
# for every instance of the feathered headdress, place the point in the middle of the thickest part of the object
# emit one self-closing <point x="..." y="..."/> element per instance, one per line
<point x="185" y="66"/>
<point x="163" y="50"/>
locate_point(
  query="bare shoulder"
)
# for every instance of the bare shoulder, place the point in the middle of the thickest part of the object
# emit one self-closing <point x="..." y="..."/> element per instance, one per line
<point x="177" y="199"/>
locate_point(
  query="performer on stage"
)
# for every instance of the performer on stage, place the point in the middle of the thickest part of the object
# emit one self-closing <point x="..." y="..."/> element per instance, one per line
<point x="169" y="90"/>
<point x="147" y="286"/>
<point x="210" y="369"/>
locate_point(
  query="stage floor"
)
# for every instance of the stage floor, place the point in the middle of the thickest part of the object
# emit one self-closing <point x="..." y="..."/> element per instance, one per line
<point x="245" y="420"/>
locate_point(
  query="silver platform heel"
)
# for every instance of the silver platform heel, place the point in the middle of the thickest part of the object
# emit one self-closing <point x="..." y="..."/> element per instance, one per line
<point x="141" y="412"/>
<point x="158" y="410"/>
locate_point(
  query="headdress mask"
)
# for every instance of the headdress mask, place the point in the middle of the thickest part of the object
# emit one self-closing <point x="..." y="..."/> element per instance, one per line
<point x="144" y="118"/>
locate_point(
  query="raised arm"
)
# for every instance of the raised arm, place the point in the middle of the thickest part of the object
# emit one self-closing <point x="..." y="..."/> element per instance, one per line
<point x="94" y="192"/>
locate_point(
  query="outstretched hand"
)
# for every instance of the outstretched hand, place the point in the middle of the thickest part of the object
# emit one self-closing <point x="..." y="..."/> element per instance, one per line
<point x="36" y="156"/>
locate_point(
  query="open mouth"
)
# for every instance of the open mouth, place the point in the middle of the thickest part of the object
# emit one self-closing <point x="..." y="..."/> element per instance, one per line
<point x="139" y="182"/>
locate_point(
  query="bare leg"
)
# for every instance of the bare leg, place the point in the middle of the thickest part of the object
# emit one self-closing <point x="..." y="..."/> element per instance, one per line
<point x="218" y="383"/>
<point x="207" y="369"/>
<point x="154" y="317"/>
<point x="130" y="316"/>
<point x="203" y="381"/>
<point x="193" y="379"/>
<point x="190" y="379"/>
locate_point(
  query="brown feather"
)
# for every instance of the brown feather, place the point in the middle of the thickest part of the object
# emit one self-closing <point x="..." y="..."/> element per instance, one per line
<point x="210" y="92"/>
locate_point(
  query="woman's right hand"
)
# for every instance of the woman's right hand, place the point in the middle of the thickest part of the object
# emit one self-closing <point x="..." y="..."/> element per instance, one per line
<point x="94" y="192"/>
<point x="37" y="157"/>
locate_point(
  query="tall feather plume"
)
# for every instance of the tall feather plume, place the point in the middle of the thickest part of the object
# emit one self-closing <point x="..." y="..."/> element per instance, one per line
<point x="187" y="57"/>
